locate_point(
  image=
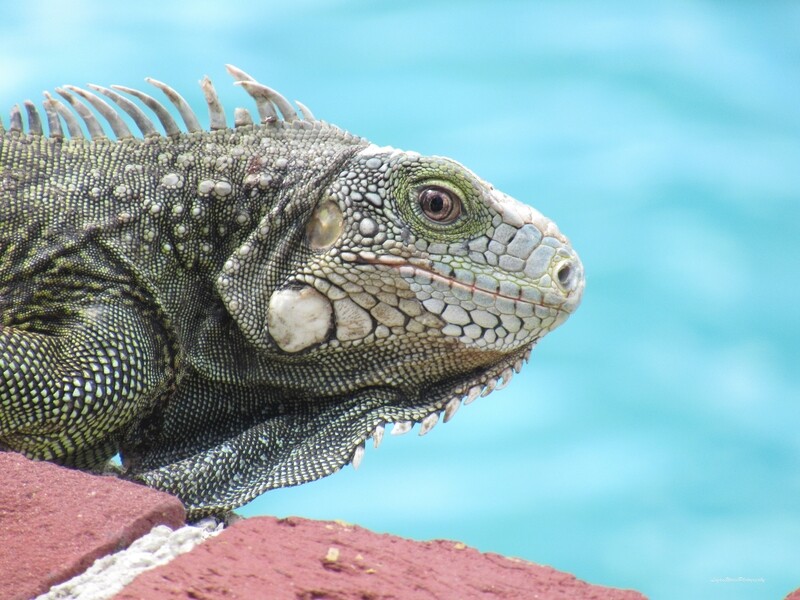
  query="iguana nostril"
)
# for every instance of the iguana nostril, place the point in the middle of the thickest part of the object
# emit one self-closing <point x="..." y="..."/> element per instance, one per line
<point x="565" y="275"/>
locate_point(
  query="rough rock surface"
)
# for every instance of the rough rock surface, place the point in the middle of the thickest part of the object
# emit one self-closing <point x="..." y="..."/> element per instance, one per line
<point x="54" y="522"/>
<point x="295" y="558"/>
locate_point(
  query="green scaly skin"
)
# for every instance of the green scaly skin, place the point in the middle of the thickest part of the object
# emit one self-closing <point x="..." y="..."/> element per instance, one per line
<point x="240" y="309"/>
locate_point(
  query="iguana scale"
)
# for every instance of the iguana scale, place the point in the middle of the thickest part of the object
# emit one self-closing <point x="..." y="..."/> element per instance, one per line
<point x="241" y="308"/>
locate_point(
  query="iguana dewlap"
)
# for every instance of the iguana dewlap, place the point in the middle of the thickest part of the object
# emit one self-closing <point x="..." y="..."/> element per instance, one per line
<point x="242" y="308"/>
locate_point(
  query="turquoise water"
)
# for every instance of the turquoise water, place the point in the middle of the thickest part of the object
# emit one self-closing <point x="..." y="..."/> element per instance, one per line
<point x="652" y="442"/>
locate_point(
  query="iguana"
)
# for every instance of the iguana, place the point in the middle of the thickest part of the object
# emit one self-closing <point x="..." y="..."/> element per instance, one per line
<point x="241" y="308"/>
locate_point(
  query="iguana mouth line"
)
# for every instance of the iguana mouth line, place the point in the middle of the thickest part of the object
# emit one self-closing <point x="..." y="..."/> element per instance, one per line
<point x="421" y="266"/>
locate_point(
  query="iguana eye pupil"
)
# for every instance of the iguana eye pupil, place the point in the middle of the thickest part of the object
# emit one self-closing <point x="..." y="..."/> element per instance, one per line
<point x="440" y="205"/>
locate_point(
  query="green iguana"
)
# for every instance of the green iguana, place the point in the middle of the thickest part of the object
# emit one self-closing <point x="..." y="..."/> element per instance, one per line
<point x="241" y="308"/>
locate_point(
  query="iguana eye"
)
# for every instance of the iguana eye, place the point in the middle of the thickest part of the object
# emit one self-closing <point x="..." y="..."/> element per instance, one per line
<point x="440" y="205"/>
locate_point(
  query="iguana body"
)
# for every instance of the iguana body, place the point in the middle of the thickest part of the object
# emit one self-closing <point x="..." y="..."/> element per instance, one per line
<point x="240" y="309"/>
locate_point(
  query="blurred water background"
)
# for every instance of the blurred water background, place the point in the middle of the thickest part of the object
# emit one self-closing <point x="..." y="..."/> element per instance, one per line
<point x="653" y="441"/>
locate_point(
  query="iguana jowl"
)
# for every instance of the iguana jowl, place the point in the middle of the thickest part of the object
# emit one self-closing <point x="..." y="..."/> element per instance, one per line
<point x="240" y="309"/>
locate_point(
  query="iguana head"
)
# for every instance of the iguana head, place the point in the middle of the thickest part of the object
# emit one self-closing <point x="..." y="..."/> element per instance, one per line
<point x="434" y="259"/>
<point x="421" y="279"/>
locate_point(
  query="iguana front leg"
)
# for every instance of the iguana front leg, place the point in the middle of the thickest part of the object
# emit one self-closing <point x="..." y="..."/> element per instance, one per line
<point x="69" y="388"/>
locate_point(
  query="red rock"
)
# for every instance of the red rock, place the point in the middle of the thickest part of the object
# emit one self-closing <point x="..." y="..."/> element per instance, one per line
<point x="795" y="595"/>
<point x="295" y="558"/>
<point x="54" y="522"/>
